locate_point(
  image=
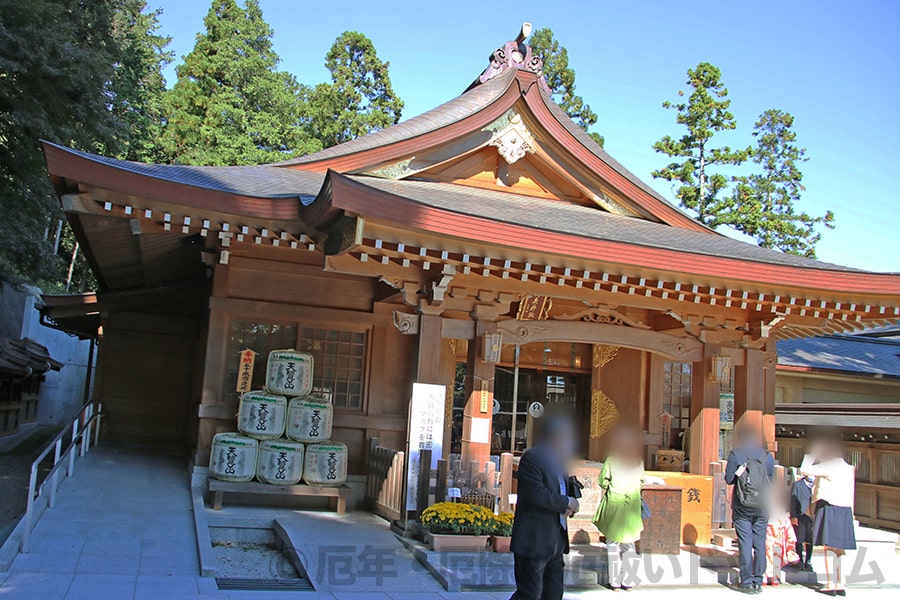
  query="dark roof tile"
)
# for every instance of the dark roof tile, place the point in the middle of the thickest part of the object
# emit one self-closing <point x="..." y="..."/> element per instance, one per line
<point x="584" y="221"/>
<point x="262" y="181"/>
<point x="448" y="113"/>
<point x="849" y="353"/>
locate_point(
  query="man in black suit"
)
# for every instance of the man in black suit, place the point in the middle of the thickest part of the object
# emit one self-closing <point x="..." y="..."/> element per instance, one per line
<point x="539" y="536"/>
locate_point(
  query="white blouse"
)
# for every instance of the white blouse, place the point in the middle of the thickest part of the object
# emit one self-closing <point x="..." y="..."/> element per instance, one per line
<point x="835" y="480"/>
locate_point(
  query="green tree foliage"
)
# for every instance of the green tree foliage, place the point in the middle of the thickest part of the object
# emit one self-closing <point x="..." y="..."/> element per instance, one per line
<point x="359" y="99"/>
<point x="55" y="62"/>
<point x="137" y="87"/>
<point x="230" y="105"/>
<point x="765" y="203"/>
<point x="561" y="79"/>
<point x="82" y="74"/>
<point x="705" y="112"/>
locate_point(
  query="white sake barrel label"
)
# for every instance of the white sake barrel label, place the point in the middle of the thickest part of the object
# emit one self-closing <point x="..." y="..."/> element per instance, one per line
<point x="289" y="372"/>
<point x="280" y="462"/>
<point x="326" y="464"/>
<point x="233" y="457"/>
<point x="309" y="420"/>
<point x="262" y="415"/>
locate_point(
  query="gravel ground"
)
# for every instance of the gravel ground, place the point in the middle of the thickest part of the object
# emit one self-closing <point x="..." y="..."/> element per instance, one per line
<point x="252" y="561"/>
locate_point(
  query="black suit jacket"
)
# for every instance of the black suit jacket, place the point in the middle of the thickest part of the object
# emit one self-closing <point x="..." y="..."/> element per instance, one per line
<point x="537" y="531"/>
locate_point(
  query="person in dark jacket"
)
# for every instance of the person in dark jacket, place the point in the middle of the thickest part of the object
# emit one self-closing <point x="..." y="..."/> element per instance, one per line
<point x="801" y="496"/>
<point x="539" y="535"/>
<point x="749" y="522"/>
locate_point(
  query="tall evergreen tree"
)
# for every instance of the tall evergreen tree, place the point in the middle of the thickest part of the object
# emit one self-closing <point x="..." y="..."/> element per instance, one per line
<point x="359" y="99"/>
<point x="138" y="85"/>
<point x="705" y="112"/>
<point x="55" y="64"/>
<point x="231" y="105"/>
<point x="561" y="79"/>
<point x="765" y="203"/>
<point x="83" y="74"/>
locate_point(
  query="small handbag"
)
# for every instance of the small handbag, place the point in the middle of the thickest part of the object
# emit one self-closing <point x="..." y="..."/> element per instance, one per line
<point x="645" y="510"/>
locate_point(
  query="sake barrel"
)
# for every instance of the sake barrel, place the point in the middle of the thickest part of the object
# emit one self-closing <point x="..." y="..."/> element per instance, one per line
<point x="280" y="462"/>
<point x="289" y="372"/>
<point x="233" y="457"/>
<point x="309" y="420"/>
<point x="262" y="415"/>
<point x="325" y="464"/>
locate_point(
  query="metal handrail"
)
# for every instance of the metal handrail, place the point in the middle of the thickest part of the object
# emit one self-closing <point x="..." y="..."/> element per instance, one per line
<point x="90" y="417"/>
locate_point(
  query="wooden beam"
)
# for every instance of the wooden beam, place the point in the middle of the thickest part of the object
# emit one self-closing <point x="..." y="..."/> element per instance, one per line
<point x="678" y="348"/>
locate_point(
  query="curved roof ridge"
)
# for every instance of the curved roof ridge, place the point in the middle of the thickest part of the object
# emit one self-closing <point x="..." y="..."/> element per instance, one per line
<point x="600" y="152"/>
<point x="571" y="219"/>
<point x="258" y="181"/>
<point x="469" y="102"/>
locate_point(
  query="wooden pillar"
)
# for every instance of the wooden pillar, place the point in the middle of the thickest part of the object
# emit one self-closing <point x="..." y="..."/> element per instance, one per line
<point x="213" y="407"/>
<point x="479" y="398"/>
<point x="448" y="378"/>
<point x="770" y="362"/>
<point x="428" y="358"/>
<point x="749" y="390"/>
<point x="704" y="447"/>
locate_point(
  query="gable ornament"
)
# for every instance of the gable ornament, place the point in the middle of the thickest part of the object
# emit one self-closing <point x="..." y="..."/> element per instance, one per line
<point x="513" y="141"/>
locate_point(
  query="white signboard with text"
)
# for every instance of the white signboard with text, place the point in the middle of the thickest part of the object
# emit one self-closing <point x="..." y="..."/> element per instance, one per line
<point x="426" y="432"/>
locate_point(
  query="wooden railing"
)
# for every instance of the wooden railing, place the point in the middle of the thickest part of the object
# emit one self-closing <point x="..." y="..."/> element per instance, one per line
<point x="384" y="482"/>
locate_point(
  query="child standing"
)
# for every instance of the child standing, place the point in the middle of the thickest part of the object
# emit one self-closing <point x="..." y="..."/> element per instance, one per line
<point x="780" y="534"/>
<point x="801" y="496"/>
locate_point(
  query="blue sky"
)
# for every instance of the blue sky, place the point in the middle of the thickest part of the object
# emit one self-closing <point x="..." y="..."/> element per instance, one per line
<point x="833" y="65"/>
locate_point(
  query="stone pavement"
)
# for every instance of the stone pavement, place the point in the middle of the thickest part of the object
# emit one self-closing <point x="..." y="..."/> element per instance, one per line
<point x="123" y="529"/>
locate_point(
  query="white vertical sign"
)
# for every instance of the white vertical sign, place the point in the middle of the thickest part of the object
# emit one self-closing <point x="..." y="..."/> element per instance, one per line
<point x="426" y="432"/>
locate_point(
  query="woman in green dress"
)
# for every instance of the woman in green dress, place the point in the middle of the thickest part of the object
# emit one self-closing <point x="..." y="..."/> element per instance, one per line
<point x="619" y="515"/>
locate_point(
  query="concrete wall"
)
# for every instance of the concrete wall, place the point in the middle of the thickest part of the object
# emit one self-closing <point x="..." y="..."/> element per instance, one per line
<point x="62" y="392"/>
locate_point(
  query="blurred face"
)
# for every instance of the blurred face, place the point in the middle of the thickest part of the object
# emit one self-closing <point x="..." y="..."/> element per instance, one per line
<point x="626" y="446"/>
<point x="562" y="439"/>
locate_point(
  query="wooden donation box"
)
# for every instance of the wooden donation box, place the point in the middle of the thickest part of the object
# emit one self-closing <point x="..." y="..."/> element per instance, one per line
<point x="670" y="460"/>
<point x="696" y="505"/>
<point x="662" y="531"/>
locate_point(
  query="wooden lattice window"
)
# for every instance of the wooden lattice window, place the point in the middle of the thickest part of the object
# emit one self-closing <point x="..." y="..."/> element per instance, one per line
<point x="262" y="338"/>
<point x="340" y="362"/>
<point x="677" y="393"/>
<point x="339" y="356"/>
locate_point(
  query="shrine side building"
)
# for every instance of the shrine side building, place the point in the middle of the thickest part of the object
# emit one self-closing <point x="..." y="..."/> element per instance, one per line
<point x="489" y="245"/>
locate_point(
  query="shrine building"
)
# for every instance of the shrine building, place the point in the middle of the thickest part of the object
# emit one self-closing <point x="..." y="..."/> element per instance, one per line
<point x="489" y="245"/>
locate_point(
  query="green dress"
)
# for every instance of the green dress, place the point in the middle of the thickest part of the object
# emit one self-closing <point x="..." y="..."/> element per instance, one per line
<point x="619" y="515"/>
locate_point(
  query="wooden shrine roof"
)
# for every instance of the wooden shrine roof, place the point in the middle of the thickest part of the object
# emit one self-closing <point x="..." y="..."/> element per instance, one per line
<point x="23" y="357"/>
<point x="570" y="220"/>
<point x="497" y="183"/>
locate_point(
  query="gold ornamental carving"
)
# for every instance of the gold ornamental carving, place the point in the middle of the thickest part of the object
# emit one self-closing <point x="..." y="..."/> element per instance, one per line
<point x="603" y="413"/>
<point x="534" y="308"/>
<point x="604" y="354"/>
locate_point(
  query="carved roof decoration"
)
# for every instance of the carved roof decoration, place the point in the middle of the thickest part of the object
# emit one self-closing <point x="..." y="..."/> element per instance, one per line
<point x="496" y="190"/>
<point x="515" y="55"/>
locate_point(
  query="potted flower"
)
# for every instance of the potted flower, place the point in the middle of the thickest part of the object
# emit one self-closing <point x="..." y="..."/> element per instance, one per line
<point x="457" y="527"/>
<point x="501" y="535"/>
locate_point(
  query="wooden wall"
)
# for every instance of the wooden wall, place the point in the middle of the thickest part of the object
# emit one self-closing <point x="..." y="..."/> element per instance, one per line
<point x="146" y="378"/>
<point x="264" y="285"/>
<point x="624" y="381"/>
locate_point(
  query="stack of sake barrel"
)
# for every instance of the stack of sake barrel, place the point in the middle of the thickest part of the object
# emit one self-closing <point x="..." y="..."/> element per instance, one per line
<point x="285" y="407"/>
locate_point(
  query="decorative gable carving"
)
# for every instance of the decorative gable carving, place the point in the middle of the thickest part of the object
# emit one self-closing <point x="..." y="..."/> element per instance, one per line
<point x="514" y="140"/>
